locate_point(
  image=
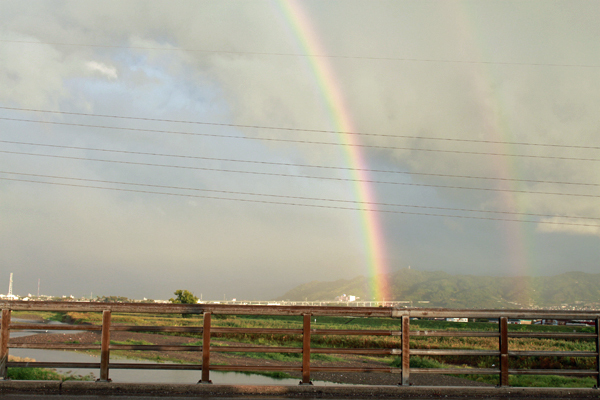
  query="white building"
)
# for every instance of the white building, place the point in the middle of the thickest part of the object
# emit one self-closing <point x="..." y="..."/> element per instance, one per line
<point x="346" y="298"/>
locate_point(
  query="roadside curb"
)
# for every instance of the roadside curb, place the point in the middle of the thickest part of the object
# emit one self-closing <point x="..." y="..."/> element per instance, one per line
<point x="357" y="391"/>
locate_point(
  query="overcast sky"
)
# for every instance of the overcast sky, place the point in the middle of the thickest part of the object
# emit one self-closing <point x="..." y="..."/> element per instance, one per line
<point x="505" y="72"/>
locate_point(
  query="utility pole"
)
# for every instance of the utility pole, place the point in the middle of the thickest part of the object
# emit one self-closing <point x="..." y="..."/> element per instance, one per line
<point x="38" y="287"/>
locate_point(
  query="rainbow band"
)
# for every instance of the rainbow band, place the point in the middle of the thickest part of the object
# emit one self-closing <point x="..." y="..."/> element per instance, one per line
<point x="519" y="238"/>
<point x="323" y="72"/>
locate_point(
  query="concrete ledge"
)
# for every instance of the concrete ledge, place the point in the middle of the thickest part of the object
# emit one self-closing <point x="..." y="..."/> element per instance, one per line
<point x="358" y="391"/>
<point x="10" y="386"/>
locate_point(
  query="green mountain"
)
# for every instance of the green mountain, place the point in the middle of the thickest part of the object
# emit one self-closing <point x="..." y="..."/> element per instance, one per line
<point x="441" y="289"/>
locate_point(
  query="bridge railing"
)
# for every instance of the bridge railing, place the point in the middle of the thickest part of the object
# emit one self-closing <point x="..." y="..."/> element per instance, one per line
<point x="402" y="347"/>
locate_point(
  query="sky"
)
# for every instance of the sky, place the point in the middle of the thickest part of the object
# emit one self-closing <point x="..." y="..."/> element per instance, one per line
<point x="238" y="149"/>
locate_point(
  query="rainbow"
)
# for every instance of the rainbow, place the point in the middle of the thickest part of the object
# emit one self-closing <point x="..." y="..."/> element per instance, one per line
<point x="372" y="232"/>
<point x="519" y="238"/>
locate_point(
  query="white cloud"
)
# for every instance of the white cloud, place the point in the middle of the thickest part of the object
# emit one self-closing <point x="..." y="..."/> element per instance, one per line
<point x="106" y="70"/>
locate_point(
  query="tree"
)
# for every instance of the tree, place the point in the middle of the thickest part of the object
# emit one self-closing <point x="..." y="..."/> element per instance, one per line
<point x="184" y="297"/>
<point x="113" y="299"/>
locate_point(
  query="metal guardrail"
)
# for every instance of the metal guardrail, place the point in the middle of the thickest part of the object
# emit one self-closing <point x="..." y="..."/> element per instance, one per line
<point x="207" y="330"/>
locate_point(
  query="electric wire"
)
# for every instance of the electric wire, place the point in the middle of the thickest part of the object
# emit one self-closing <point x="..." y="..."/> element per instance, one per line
<point x="256" y="53"/>
<point x="298" y="197"/>
<point x="231" y="125"/>
<point x="300" y="204"/>
<point x="297" y="176"/>
<point x="296" y="165"/>
<point x="303" y="141"/>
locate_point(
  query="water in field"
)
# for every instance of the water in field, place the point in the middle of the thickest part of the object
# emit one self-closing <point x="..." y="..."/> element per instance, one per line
<point x="148" y="376"/>
<point x="143" y="376"/>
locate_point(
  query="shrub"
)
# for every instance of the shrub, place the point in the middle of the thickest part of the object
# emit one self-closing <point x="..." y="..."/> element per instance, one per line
<point x="418" y="362"/>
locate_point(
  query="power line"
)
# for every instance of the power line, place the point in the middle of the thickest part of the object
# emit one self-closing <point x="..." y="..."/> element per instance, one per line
<point x="296" y="165"/>
<point x="304" y="141"/>
<point x="298" y="197"/>
<point x="297" y="176"/>
<point x="300" y="204"/>
<point x="255" y="53"/>
<point x="230" y="125"/>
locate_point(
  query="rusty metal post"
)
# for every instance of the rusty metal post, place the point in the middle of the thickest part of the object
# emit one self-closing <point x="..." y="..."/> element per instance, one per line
<point x="306" y="351"/>
<point x="105" y="347"/>
<point x="405" y="373"/>
<point x="597" y="323"/>
<point x="4" y="335"/>
<point x="503" y="351"/>
<point x="206" y="349"/>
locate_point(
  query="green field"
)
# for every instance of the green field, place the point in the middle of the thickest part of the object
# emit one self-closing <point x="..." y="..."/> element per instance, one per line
<point x="353" y="341"/>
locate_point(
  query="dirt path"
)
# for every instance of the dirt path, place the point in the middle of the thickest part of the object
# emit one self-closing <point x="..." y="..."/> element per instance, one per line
<point x="228" y="358"/>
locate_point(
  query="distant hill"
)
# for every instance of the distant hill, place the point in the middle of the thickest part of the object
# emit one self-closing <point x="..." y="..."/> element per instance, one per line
<point x="469" y="291"/>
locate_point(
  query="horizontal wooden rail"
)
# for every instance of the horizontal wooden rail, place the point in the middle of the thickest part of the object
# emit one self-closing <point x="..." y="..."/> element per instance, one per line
<point x="271" y="331"/>
<point x="350" y="332"/>
<point x="356" y="369"/>
<point x="56" y="327"/>
<point x="153" y="347"/>
<point x="453" y="352"/>
<point x="54" y="346"/>
<point x="567" y="372"/>
<point x="552" y="335"/>
<point x="233" y="367"/>
<point x="386" y="312"/>
<point x="45" y="364"/>
<point x="356" y="351"/>
<point x="456" y="371"/>
<point x="454" y="334"/>
<point x="222" y="309"/>
<point x="139" y="328"/>
<point x="545" y="353"/>
<point x="255" y="349"/>
<point x="398" y="343"/>
<point x="495" y="314"/>
<point x="162" y="366"/>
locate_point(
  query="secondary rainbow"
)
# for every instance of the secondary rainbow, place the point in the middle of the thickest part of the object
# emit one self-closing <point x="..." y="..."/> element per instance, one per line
<point x="372" y="232"/>
<point x="519" y="238"/>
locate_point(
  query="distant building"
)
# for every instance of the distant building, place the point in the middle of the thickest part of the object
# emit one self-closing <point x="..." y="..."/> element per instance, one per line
<point x="457" y="319"/>
<point x="346" y="298"/>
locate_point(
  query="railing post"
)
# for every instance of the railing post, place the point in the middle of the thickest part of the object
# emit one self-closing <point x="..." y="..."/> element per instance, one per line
<point x="503" y="351"/>
<point x="405" y="374"/>
<point x="306" y="350"/>
<point x="105" y="347"/>
<point x="206" y="348"/>
<point x="597" y="323"/>
<point x="4" y="335"/>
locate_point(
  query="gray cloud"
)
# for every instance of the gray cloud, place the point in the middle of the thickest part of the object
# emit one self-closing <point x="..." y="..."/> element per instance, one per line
<point x="160" y="243"/>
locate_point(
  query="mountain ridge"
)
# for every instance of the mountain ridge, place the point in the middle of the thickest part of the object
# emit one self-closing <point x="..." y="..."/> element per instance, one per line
<point x="442" y="289"/>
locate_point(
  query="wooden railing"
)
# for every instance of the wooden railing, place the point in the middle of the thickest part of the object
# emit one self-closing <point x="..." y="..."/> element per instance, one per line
<point x="307" y="312"/>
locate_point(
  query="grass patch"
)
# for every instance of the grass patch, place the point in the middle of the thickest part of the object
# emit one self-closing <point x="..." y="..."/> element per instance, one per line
<point x="43" y="374"/>
<point x="419" y="362"/>
<point x="45" y="315"/>
<point x="270" y="374"/>
<point x="536" y="380"/>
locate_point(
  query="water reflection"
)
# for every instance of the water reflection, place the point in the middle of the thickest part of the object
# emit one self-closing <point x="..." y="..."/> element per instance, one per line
<point x="142" y="376"/>
<point x="15" y="334"/>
